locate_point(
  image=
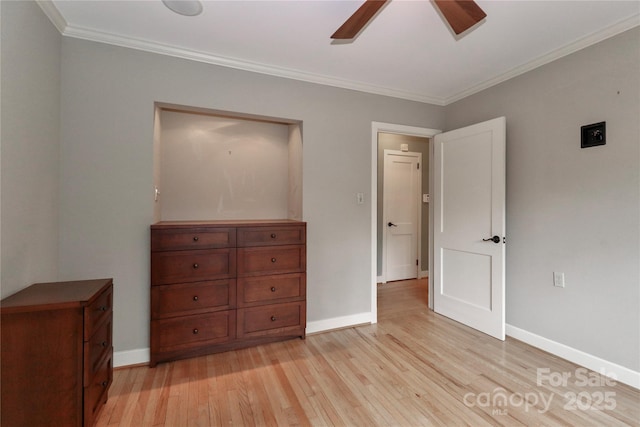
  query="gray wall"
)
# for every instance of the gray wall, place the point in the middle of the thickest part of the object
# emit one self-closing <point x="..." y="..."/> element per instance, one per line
<point x="295" y="172"/>
<point x="389" y="141"/>
<point x="30" y="50"/>
<point x="572" y="210"/>
<point x="106" y="170"/>
<point x="222" y="168"/>
<point x="568" y="209"/>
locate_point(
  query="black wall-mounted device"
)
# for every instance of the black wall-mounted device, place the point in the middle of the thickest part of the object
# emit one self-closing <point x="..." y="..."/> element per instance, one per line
<point x="594" y="134"/>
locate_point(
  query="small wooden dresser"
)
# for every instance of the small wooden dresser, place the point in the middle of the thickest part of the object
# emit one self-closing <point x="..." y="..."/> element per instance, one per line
<point x="56" y="366"/>
<point x="222" y="285"/>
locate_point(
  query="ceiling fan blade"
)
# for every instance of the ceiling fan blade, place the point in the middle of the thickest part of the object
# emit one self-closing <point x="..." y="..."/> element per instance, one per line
<point x="358" y="20"/>
<point x="460" y="14"/>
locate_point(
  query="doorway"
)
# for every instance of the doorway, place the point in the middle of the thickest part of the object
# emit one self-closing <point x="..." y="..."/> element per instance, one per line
<point x="394" y="131"/>
<point x="464" y="146"/>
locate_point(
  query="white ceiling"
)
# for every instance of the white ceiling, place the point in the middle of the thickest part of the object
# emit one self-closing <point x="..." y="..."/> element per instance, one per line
<point x="407" y="50"/>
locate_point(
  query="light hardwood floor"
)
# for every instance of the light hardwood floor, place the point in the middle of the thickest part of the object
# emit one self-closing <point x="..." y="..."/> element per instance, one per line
<point x="412" y="368"/>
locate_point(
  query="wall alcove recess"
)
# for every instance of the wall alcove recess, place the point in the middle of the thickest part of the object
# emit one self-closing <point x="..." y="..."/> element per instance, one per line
<point x="227" y="271"/>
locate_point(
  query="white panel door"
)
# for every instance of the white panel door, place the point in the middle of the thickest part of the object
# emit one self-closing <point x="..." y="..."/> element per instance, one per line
<point x="469" y="226"/>
<point x="400" y="213"/>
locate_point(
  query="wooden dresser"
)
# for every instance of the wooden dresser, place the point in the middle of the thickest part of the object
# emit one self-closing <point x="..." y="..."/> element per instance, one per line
<point x="56" y="365"/>
<point x="223" y="285"/>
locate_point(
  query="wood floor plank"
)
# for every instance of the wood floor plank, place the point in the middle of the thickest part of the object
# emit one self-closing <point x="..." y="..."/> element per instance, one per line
<point x="412" y="368"/>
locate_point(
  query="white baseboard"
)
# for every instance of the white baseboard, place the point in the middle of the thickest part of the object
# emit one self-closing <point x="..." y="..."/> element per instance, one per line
<point x="338" y="322"/>
<point x="421" y="275"/>
<point x="142" y="355"/>
<point x="613" y="370"/>
<point x="131" y="357"/>
<point x="617" y="372"/>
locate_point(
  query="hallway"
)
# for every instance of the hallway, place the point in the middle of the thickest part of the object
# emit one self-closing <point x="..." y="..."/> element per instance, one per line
<point x="402" y="297"/>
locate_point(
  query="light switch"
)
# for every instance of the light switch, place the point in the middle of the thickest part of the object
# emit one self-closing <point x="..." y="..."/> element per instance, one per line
<point x="425" y="198"/>
<point x="558" y="279"/>
<point x="360" y="198"/>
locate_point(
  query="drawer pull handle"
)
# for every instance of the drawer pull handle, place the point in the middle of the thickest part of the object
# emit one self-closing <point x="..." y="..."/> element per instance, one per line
<point x="104" y="383"/>
<point x="102" y="308"/>
<point x="195" y="265"/>
<point x="195" y="331"/>
<point x="273" y="318"/>
<point x="273" y="260"/>
<point x="195" y="238"/>
<point x="195" y="298"/>
<point x="273" y="235"/>
<point x="273" y="289"/>
<point x="104" y="343"/>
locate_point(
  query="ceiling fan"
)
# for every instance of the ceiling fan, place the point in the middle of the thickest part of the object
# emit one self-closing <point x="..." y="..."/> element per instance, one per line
<point x="460" y="14"/>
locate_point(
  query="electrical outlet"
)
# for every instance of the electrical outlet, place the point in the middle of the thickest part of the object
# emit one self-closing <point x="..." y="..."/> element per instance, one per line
<point x="558" y="279"/>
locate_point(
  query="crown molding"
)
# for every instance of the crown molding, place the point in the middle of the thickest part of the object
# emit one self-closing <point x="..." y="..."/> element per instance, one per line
<point x="53" y="14"/>
<point x="65" y="29"/>
<point x="568" y="49"/>
<point x="163" y="49"/>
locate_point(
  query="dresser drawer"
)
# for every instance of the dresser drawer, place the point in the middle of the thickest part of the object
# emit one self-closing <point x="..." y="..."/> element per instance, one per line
<point x="96" y="349"/>
<point x="271" y="260"/>
<point x="212" y="281"/>
<point x="258" y="290"/>
<point x="192" y="266"/>
<point x="275" y="319"/>
<point x="192" y="238"/>
<point x="265" y="236"/>
<point x="96" y="312"/>
<point x="192" y="298"/>
<point x="187" y="331"/>
<point x="95" y="392"/>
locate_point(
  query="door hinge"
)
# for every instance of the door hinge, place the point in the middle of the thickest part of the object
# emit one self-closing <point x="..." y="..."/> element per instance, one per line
<point x="418" y="165"/>
<point x="416" y="262"/>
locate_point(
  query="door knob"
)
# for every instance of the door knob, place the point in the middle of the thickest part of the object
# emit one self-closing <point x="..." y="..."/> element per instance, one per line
<point x="494" y="239"/>
<point x="390" y="224"/>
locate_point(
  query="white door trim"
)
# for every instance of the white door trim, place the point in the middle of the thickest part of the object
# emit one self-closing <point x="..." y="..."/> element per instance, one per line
<point x="377" y="127"/>
<point x="419" y="215"/>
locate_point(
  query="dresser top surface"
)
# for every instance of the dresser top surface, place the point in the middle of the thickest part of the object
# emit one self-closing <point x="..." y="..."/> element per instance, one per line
<point x="55" y="295"/>
<point x="227" y="223"/>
